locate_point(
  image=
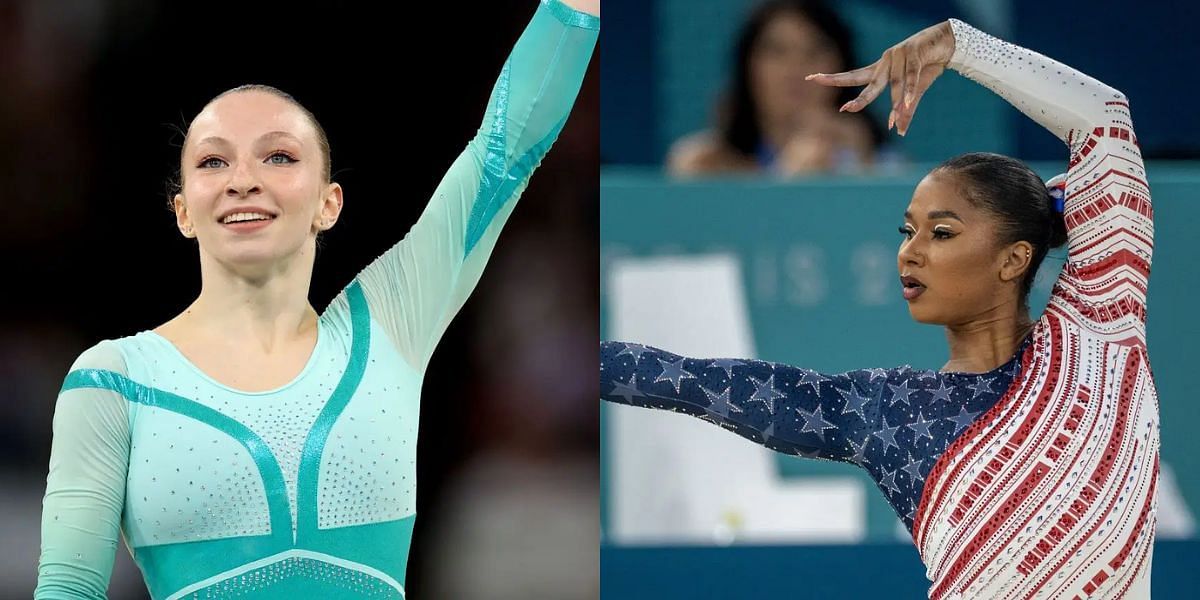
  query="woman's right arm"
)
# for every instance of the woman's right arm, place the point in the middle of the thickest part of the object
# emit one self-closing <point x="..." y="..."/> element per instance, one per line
<point x="85" y="486"/>
<point x="788" y="409"/>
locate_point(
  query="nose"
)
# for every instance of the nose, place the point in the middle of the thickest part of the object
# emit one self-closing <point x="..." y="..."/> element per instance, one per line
<point x="242" y="181"/>
<point x="910" y="254"/>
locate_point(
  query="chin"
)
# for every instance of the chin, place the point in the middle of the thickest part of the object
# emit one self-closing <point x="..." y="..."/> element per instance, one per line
<point x="921" y="315"/>
<point x="250" y="253"/>
<point x="251" y="258"/>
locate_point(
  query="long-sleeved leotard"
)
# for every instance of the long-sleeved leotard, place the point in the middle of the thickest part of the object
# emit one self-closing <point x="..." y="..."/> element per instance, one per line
<point x="309" y="490"/>
<point x="893" y="423"/>
<point x="1036" y="479"/>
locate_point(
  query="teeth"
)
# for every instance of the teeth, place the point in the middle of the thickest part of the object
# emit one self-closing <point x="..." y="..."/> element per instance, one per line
<point x="245" y="216"/>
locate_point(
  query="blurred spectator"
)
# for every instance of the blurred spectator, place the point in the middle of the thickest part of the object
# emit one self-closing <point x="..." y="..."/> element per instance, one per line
<point x="772" y="120"/>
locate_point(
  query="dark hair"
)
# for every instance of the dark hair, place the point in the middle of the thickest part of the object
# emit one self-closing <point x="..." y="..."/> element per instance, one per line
<point x="739" y="124"/>
<point x="1009" y="190"/>
<point x="176" y="184"/>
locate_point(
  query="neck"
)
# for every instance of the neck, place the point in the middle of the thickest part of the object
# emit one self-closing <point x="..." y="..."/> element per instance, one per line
<point x="776" y="133"/>
<point x="987" y="341"/>
<point x="264" y="308"/>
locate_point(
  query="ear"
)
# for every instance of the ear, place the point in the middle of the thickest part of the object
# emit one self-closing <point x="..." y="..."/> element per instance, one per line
<point x="1017" y="258"/>
<point x="182" y="219"/>
<point x="331" y="207"/>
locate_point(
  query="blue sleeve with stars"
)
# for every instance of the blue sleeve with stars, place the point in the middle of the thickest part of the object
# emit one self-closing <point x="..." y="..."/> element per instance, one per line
<point x="894" y="423"/>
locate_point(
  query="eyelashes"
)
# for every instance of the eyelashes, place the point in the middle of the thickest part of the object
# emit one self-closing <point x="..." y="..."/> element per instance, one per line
<point x="937" y="234"/>
<point x="290" y="159"/>
<point x="216" y="162"/>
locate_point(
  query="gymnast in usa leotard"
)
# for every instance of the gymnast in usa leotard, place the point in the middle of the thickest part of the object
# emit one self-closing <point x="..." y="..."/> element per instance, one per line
<point x="1034" y="474"/>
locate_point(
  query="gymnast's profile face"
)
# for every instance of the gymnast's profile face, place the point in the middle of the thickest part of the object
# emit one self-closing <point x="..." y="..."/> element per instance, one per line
<point x="949" y="246"/>
<point x="254" y="193"/>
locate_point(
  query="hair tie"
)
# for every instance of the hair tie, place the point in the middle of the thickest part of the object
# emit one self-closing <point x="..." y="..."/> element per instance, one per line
<point x="1057" y="188"/>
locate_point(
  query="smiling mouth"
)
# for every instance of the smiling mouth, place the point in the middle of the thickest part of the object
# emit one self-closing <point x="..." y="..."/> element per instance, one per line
<point x="248" y="225"/>
<point x="246" y="218"/>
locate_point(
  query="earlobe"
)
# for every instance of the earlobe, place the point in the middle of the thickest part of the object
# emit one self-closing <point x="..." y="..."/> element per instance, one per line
<point x="333" y="205"/>
<point x="181" y="217"/>
<point x="335" y="194"/>
<point x="1014" y="264"/>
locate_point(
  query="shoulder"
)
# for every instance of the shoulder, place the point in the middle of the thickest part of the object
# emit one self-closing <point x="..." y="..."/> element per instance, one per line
<point x="704" y="152"/>
<point x="103" y="355"/>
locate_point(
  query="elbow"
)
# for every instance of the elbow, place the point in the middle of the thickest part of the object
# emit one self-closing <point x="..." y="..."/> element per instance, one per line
<point x="63" y="590"/>
<point x="1118" y="95"/>
<point x="61" y="580"/>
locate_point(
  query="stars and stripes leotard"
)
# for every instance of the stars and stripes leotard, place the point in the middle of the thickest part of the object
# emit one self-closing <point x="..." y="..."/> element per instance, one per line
<point x="1035" y="479"/>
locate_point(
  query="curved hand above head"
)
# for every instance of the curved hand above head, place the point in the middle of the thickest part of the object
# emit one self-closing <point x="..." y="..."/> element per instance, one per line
<point x="909" y="67"/>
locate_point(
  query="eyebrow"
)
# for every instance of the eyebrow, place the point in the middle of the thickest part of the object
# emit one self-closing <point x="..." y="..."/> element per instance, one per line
<point x="212" y="139"/>
<point x="939" y="214"/>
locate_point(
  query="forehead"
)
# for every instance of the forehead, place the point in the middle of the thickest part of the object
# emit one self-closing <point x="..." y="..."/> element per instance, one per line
<point x="243" y="117"/>
<point x="940" y="192"/>
<point x="789" y="25"/>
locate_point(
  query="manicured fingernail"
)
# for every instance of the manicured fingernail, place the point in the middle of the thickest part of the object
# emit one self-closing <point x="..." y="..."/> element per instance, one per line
<point x="891" y="120"/>
<point x="908" y="99"/>
<point x="845" y="106"/>
<point x="808" y="77"/>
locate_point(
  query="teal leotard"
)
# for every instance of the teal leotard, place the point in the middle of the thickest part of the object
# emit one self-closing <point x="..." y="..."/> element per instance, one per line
<point x="308" y="490"/>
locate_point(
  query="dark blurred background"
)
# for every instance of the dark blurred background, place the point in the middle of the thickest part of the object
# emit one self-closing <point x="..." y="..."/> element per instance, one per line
<point x="96" y="96"/>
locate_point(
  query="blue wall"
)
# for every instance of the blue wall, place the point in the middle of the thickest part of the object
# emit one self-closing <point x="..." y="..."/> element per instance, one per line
<point x="664" y="63"/>
<point x="827" y="317"/>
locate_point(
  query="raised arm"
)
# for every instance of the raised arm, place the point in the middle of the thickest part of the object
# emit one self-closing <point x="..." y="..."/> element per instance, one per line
<point x="417" y="286"/>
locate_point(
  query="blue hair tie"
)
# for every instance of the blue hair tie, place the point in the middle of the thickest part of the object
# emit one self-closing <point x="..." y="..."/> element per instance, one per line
<point x="1058" y="203"/>
<point x="1057" y="188"/>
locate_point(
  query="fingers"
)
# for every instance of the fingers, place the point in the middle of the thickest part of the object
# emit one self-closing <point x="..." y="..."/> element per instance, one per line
<point x="878" y="81"/>
<point x="859" y="76"/>
<point x="896" y="81"/>
<point x="905" y="67"/>
<point x="912" y="77"/>
<point x="928" y="74"/>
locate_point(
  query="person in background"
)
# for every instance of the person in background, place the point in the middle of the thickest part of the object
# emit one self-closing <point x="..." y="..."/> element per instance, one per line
<point x="772" y="120"/>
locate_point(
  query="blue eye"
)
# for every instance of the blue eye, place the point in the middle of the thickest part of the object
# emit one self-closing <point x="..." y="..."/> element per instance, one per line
<point x="289" y="159"/>
<point x="210" y="162"/>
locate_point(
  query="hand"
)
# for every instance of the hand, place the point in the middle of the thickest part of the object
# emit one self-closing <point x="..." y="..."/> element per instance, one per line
<point x="910" y="67"/>
<point x="816" y="146"/>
